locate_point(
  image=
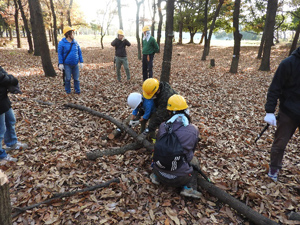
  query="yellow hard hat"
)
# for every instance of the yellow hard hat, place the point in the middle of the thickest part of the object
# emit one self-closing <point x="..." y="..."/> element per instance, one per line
<point x="67" y="29"/>
<point x="146" y="28"/>
<point x="150" y="87"/>
<point x="121" y="32"/>
<point x="176" y="103"/>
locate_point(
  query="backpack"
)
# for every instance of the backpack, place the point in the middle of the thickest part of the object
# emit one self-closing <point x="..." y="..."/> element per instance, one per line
<point x="168" y="152"/>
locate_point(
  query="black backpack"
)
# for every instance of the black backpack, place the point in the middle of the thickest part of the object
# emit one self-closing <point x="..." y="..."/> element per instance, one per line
<point x="168" y="152"/>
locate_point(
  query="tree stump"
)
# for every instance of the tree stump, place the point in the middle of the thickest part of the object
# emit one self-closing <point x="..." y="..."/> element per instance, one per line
<point x="5" y="206"/>
<point x="212" y="63"/>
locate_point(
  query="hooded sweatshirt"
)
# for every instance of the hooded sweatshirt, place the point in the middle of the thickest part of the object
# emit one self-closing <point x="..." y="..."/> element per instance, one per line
<point x="285" y="86"/>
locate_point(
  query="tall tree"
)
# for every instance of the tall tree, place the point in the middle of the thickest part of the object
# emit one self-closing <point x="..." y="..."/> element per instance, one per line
<point x="120" y="15"/>
<point x="35" y="34"/>
<point x="204" y="54"/>
<point x="153" y="17"/>
<point x="237" y="37"/>
<point x="54" y="25"/>
<point x="26" y="27"/>
<point x="160" y="15"/>
<point x="138" y="4"/>
<point x="36" y="12"/>
<point x="270" y="23"/>
<point x="69" y="13"/>
<point x="16" y="15"/>
<point x="167" y="58"/>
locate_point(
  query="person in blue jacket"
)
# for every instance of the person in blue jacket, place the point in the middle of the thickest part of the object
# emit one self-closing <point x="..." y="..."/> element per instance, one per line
<point x="69" y="55"/>
<point x="142" y="110"/>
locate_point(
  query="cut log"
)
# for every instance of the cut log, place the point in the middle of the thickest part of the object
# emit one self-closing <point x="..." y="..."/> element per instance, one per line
<point x="5" y="206"/>
<point x="120" y="125"/>
<point x="116" y="133"/>
<point x="92" y="155"/>
<point x="234" y="203"/>
<point x="63" y="195"/>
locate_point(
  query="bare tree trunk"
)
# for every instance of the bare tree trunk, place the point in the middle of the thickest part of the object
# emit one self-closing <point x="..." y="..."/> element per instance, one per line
<point x="36" y="10"/>
<point x="138" y="4"/>
<point x="212" y="26"/>
<point x="69" y="13"/>
<point x="35" y="34"/>
<point x="262" y="44"/>
<point x="54" y="25"/>
<point x="153" y="18"/>
<point x="5" y="205"/>
<point x="159" y="22"/>
<point x="120" y="14"/>
<point x="167" y="58"/>
<point x="237" y="38"/>
<point x="295" y="40"/>
<point x="270" y="23"/>
<point x="16" y="15"/>
<point x="205" y="32"/>
<point x="180" y="32"/>
<point x="26" y="27"/>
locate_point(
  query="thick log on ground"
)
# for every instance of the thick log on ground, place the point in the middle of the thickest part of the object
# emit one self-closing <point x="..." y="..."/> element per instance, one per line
<point x="65" y="194"/>
<point x="92" y="155"/>
<point x="5" y="206"/>
<point x="120" y="125"/>
<point x="234" y="203"/>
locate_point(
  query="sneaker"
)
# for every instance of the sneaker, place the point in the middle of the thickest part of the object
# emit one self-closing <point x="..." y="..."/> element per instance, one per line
<point x="190" y="192"/>
<point x="17" y="146"/>
<point x="273" y="174"/>
<point x="154" y="179"/>
<point x="9" y="158"/>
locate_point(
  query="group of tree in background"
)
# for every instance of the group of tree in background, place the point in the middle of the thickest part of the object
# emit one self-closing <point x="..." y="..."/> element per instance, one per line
<point x="267" y="18"/>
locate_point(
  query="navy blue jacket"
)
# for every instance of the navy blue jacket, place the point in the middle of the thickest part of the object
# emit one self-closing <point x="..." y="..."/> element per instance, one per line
<point x="6" y="80"/>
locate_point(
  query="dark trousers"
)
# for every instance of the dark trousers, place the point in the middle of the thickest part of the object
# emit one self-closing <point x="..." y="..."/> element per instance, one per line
<point x="286" y="127"/>
<point x="147" y="66"/>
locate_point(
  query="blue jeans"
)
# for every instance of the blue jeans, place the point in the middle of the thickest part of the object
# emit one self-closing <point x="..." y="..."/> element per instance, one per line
<point x="72" y="70"/>
<point x="7" y="131"/>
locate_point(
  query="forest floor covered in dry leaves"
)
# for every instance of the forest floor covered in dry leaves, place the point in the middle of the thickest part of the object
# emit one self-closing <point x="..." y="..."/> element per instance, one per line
<point x="227" y="108"/>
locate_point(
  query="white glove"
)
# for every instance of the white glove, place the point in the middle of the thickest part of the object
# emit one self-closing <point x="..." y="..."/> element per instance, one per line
<point x="61" y="67"/>
<point x="81" y="65"/>
<point x="270" y="119"/>
<point x="134" y="123"/>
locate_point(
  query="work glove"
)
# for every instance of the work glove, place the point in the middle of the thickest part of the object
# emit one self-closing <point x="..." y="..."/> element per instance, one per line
<point x="143" y="135"/>
<point x="81" y="65"/>
<point x="134" y="123"/>
<point x="61" y="67"/>
<point x="270" y="119"/>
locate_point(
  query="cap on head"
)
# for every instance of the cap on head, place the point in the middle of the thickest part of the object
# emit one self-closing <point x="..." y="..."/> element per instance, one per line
<point x="67" y="29"/>
<point x="176" y="103"/>
<point x="120" y="32"/>
<point x="146" y="28"/>
<point x="134" y="99"/>
<point x="150" y="87"/>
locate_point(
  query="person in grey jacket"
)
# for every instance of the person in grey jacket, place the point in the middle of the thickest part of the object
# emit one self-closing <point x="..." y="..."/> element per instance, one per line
<point x="188" y="136"/>
<point x="285" y="87"/>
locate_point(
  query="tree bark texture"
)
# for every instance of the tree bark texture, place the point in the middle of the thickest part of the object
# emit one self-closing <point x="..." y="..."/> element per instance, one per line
<point x="234" y="203"/>
<point x="167" y="58"/>
<point x="120" y="125"/>
<point x="16" y="15"/>
<point x="160" y="16"/>
<point x="5" y="205"/>
<point x="54" y="25"/>
<point x="270" y="23"/>
<point x="204" y="54"/>
<point x="153" y="17"/>
<point x="237" y="38"/>
<point x="36" y="10"/>
<point x="120" y="15"/>
<point x="26" y="27"/>
<point x="69" y="13"/>
<point x="212" y="26"/>
<point x="65" y="194"/>
<point x="138" y="5"/>
<point x="35" y="34"/>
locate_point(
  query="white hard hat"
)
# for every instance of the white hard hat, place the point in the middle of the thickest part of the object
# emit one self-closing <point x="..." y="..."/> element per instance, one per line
<point x="134" y="99"/>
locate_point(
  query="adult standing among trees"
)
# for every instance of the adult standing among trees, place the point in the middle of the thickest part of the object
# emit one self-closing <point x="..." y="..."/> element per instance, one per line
<point x="150" y="47"/>
<point x="285" y="87"/>
<point x="69" y="54"/>
<point x="120" y="44"/>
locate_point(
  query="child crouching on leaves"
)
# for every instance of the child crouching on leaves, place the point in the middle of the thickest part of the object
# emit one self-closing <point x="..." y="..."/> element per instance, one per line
<point x="142" y="110"/>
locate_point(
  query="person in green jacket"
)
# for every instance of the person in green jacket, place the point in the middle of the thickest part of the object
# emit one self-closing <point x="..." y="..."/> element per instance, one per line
<point x="150" y="47"/>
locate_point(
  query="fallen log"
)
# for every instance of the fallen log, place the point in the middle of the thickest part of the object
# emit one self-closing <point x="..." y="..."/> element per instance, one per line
<point x="234" y="203"/>
<point x="5" y="205"/>
<point x="119" y="124"/>
<point x="63" y="195"/>
<point x="92" y="155"/>
<point x="294" y="216"/>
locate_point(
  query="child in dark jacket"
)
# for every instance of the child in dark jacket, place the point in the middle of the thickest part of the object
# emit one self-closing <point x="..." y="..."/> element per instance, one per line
<point x="7" y="117"/>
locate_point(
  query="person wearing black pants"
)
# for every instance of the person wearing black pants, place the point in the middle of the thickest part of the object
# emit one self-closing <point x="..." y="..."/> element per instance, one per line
<point x="285" y="87"/>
